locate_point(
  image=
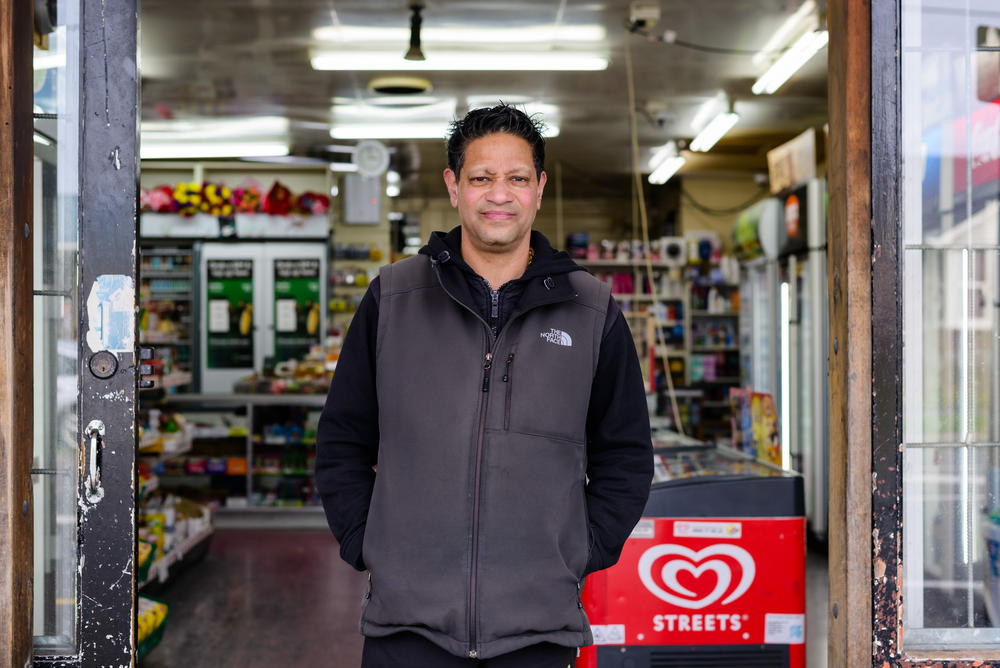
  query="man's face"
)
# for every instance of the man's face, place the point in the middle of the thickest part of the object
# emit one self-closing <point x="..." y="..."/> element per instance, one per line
<point x="497" y="193"/>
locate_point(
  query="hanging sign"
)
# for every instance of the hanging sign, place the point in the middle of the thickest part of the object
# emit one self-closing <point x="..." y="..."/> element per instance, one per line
<point x="792" y="162"/>
<point x="296" y="308"/>
<point x="229" y="304"/>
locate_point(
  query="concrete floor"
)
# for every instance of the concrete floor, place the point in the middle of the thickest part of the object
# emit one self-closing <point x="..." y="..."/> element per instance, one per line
<point x="266" y="598"/>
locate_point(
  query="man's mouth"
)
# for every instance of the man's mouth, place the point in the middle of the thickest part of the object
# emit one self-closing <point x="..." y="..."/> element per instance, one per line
<point x="497" y="215"/>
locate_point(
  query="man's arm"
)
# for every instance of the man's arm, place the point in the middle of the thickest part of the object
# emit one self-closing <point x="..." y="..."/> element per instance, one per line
<point x="619" y="448"/>
<point x="347" y="435"/>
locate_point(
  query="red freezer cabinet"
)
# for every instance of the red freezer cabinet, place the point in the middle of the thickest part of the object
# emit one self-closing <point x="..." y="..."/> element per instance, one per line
<point x="712" y="576"/>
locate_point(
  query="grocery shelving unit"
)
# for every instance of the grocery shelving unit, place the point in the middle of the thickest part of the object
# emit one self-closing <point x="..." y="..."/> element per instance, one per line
<point x="258" y="474"/>
<point x="166" y="295"/>
<point x="699" y="334"/>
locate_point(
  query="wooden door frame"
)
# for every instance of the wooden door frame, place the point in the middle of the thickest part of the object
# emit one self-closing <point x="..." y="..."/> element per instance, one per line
<point x="16" y="313"/>
<point x="850" y="341"/>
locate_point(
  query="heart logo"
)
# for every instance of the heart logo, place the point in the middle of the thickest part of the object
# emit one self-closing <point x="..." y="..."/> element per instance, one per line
<point x="696" y="564"/>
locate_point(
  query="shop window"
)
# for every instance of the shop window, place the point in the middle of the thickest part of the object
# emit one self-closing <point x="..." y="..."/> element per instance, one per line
<point x="55" y="236"/>
<point x="951" y="320"/>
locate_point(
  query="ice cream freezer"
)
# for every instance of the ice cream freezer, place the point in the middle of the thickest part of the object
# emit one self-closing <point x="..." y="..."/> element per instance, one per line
<point x="714" y="572"/>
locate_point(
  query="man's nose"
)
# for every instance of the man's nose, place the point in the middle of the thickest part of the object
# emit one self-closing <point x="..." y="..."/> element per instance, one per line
<point x="499" y="192"/>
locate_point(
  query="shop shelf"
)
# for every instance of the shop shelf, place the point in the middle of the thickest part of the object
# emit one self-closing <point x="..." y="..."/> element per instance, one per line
<point x="159" y="571"/>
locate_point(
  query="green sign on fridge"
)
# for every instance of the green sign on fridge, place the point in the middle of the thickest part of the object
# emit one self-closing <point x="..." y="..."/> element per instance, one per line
<point x="296" y="308"/>
<point x="229" y="304"/>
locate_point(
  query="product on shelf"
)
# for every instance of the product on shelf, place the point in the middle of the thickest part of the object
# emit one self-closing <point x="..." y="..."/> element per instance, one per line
<point x="151" y="620"/>
<point x="167" y="522"/>
<point x="310" y="375"/>
<point x="162" y="431"/>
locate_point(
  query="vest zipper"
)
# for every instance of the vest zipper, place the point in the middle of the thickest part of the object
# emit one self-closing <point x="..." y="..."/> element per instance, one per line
<point x="473" y="617"/>
<point x="510" y="385"/>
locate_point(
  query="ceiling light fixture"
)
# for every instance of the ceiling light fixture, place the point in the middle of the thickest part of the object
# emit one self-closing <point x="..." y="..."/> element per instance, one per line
<point x="414" y="130"/>
<point x="459" y="61"/>
<point x="803" y="19"/>
<point x="804" y="48"/>
<point x="235" y="149"/>
<point x="534" y="34"/>
<point x="252" y="137"/>
<point x="414" y="52"/>
<point x="665" y="171"/>
<point x="714" y="131"/>
<point x="665" y="163"/>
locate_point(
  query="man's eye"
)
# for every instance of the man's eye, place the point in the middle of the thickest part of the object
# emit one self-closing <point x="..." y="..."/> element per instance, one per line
<point x="480" y="179"/>
<point x="520" y="179"/>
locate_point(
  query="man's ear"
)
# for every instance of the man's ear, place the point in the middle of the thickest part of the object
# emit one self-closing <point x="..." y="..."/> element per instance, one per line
<point x="451" y="181"/>
<point x="541" y="186"/>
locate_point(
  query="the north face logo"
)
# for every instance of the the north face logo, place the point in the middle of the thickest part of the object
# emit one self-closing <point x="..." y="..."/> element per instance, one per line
<point x="558" y="337"/>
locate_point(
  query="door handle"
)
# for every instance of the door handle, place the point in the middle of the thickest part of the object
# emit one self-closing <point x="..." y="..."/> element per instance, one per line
<point x="94" y="433"/>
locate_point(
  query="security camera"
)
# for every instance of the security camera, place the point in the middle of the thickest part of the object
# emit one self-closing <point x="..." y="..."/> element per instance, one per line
<point x="642" y="16"/>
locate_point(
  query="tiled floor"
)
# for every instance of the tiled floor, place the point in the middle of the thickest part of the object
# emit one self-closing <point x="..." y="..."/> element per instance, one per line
<point x="262" y="599"/>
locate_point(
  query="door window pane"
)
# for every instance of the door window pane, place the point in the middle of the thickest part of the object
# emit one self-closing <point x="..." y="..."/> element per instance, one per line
<point x="56" y="448"/>
<point x="951" y="318"/>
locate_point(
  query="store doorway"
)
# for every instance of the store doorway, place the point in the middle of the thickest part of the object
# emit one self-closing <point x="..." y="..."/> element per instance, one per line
<point x="105" y="243"/>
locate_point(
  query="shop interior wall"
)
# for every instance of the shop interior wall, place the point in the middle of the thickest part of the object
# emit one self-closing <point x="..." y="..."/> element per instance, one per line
<point x="719" y="193"/>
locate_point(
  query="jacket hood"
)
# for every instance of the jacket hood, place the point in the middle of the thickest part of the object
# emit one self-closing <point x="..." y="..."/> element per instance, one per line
<point x="547" y="261"/>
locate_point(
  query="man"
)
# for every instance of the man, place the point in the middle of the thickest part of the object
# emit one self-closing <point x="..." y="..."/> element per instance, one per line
<point x="494" y="387"/>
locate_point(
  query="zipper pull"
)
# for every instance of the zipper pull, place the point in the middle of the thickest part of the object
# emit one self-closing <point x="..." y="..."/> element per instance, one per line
<point x="506" y="373"/>
<point x="486" y="372"/>
<point x="495" y="298"/>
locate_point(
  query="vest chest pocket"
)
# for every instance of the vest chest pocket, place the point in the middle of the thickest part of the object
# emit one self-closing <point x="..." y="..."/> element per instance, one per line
<point x="546" y="384"/>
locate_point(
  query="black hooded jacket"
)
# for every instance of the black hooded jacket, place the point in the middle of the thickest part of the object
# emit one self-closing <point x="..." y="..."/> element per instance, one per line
<point x="619" y="452"/>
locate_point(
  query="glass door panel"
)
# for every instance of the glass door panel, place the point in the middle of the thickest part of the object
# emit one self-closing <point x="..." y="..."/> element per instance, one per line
<point x="56" y="385"/>
<point x="951" y="315"/>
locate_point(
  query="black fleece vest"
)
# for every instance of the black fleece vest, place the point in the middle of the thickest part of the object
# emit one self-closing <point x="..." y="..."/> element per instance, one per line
<point x="477" y="535"/>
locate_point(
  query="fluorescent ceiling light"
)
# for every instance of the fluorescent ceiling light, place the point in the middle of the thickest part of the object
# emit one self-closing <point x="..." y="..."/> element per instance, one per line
<point x="390" y="130"/>
<point x="462" y="35"/>
<point x="343" y="167"/>
<point x="668" y="150"/>
<point x="804" y="18"/>
<point x="804" y="48"/>
<point x="714" y="131"/>
<point x="665" y="163"/>
<point x="416" y="130"/>
<point x="707" y="111"/>
<point x="42" y="139"/>
<point x="666" y="170"/>
<point x="443" y="110"/>
<point x="399" y="101"/>
<point x="236" y="149"/>
<point x="215" y="128"/>
<point x="539" y="61"/>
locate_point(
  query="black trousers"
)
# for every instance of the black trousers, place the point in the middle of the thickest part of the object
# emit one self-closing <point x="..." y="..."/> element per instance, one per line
<point x="408" y="650"/>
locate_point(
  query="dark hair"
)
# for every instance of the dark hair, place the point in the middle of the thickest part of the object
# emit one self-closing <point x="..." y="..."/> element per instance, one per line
<point x="490" y="120"/>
